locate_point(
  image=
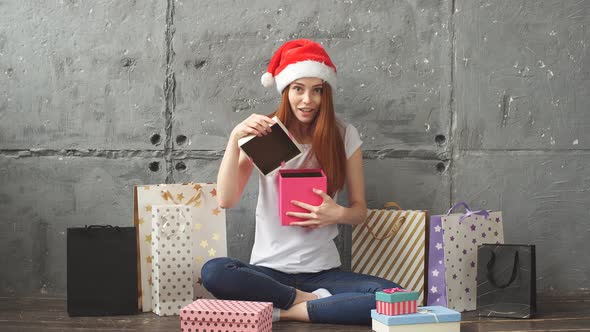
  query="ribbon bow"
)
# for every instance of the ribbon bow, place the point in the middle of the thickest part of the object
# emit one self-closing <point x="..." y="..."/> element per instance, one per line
<point x="395" y="290"/>
<point x="468" y="212"/>
<point x="429" y="312"/>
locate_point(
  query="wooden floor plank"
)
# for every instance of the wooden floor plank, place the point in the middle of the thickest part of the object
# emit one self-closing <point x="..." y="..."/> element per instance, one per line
<point x="556" y="314"/>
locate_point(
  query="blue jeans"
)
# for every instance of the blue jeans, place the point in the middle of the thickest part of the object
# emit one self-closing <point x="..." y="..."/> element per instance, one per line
<point x="353" y="294"/>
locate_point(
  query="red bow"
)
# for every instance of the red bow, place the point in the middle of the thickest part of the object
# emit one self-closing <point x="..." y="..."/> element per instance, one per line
<point x="394" y="290"/>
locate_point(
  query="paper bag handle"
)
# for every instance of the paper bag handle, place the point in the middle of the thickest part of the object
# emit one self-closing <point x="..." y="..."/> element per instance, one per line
<point x="458" y="204"/>
<point x="490" y="267"/>
<point x="468" y="212"/>
<point x="101" y="227"/>
<point x="392" y="205"/>
<point x="166" y="195"/>
<point x="394" y="229"/>
<point x="389" y="234"/>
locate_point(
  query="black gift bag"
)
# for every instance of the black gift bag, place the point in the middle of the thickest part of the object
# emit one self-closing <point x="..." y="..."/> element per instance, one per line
<point x="102" y="271"/>
<point x="506" y="281"/>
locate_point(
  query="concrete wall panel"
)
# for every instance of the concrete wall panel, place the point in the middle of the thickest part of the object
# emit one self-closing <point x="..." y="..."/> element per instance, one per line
<point x="414" y="184"/>
<point x="77" y="74"/>
<point x="522" y="76"/>
<point x="392" y="60"/>
<point x="544" y="201"/>
<point x="40" y="197"/>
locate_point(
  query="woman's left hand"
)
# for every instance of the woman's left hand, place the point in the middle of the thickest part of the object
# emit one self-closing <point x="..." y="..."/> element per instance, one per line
<point x="319" y="216"/>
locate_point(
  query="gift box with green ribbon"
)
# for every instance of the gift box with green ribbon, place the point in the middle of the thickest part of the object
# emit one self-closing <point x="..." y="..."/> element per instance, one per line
<point x="396" y="301"/>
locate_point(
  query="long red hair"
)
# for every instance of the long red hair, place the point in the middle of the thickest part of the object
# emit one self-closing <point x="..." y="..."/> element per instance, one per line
<point x="327" y="143"/>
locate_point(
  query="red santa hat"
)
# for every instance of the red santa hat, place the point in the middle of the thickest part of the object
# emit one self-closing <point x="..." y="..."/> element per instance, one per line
<point x="296" y="59"/>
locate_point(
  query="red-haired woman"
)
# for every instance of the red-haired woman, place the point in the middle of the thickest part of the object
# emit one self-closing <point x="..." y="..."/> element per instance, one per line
<point x="297" y="268"/>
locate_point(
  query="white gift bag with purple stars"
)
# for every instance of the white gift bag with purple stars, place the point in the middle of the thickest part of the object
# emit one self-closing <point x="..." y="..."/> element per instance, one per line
<point x="452" y="255"/>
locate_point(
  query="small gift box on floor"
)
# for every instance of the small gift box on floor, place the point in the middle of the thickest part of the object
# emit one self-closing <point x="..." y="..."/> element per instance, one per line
<point x="427" y="319"/>
<point x="396" y="301"/>
<point x="226" y="316"/>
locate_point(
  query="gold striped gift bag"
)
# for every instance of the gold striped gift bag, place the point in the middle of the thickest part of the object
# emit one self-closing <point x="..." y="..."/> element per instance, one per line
<point x="391" y="244"/>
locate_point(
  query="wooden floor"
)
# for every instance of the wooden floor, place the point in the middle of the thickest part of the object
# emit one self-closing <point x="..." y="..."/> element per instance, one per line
<point x="49" y="314"/>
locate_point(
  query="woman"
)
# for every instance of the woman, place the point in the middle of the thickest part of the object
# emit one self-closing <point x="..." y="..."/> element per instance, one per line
<point x="297" y="267"/>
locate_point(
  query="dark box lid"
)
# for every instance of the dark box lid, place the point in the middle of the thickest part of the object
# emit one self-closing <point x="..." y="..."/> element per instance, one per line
<point x="270" y="151"/>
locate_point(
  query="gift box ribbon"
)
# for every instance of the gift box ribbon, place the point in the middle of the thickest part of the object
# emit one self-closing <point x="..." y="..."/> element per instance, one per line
<point x="429" y="312"/>
<point x="395" y="290"/>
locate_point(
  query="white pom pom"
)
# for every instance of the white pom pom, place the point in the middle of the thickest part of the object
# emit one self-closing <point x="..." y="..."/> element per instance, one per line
<point x="267" y="80"/>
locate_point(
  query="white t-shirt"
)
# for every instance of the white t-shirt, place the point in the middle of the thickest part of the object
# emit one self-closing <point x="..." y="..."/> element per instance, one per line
<point x="293" y="249"/>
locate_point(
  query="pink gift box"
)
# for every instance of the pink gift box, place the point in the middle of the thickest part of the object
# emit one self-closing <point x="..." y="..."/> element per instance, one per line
<point x="397" y="308"/>
<point x="396" y="301"/>
<point x="226" y="316"/>
<point x="298" y="184"/>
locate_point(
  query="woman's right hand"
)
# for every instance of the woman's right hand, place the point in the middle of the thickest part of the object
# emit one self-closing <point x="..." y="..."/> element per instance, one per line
<point x="255" y="124"/>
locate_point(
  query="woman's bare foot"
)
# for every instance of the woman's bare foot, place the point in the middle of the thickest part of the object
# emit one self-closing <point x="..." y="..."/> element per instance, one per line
<point x="301" y="296"/>
<point x="298" y="310"/>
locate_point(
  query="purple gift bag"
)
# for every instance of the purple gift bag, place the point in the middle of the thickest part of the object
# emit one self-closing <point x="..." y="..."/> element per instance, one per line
<point x="437" y="286"/>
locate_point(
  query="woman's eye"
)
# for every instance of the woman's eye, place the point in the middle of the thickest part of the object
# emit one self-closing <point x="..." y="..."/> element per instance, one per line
<point x="318" y="90"/>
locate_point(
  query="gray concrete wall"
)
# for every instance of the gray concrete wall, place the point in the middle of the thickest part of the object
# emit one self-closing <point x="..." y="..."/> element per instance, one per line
<point x="483" y="101"/>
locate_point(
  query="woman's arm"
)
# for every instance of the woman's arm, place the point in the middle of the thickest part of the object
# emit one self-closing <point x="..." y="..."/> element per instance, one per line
<point x="234" y="172"/>
<point x="236" y="167"/>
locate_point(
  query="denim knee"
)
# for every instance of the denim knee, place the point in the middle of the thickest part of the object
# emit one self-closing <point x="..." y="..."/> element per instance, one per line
<point x="212" y="271"/>
<point x="384" y="284"/>
<point x="379" y="285"/>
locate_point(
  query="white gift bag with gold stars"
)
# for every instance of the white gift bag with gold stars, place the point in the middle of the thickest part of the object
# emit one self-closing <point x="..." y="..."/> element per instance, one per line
<point x="172" y="263"/>
<point x="208" y="230"/>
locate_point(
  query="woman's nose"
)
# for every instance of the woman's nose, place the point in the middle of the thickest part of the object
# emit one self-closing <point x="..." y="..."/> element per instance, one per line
<point x="306" y="97"/>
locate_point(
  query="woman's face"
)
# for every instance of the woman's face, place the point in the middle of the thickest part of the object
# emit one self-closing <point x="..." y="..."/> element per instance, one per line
<point x="305" y="97"/>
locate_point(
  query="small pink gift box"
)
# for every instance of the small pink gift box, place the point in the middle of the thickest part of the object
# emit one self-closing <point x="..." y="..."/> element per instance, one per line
<point x="396" y="301"/>
<point x="397" y="308"/>
<point x="298" y="184"/>
<point x="226" y="316"/>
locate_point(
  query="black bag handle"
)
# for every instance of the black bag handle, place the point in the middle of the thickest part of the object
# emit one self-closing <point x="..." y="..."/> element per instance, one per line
<point x="490" y="266"/>
<point x="101" y="227"/>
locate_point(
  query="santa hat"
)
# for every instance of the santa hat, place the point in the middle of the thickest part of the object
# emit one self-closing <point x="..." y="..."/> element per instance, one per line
<point x="296" y="59"/>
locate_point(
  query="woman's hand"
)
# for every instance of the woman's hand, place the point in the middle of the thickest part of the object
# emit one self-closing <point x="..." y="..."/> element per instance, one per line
<point x="255" y="124"/>
<point x="327" y="213"/>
